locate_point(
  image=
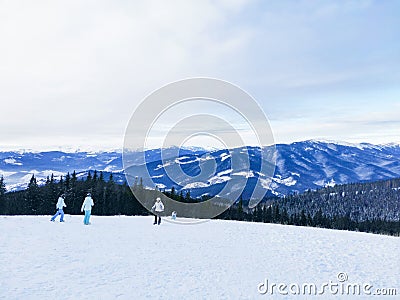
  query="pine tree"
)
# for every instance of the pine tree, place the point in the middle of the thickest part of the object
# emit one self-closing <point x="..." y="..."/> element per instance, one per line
<point x="187" y="197"/>
<point x="173" y="193"/>
<point x="98" y="193"/>
<point x="284" y="216"/>
<point x="110" y="201"/>
<point x="95" y="177"/>
<point x="240" y="209"/>
<point x="33" y="197"/>
<point x="181" y="198"/>
<point x="101" y="177"/>
<point x="257" y="214"/>
<point x="72" y="195"/>
<point x="67" y="181"/>
<point x="141" y="183"/>
<point x="264" y="213"/>
<point x="48" y="201"/>
<point x="3" y="191"/>
<point x="303" y="218"/>
<point x="74" y="178"/>
<point x="89" y="178"/>
<point x="318" y="218"/>
<point x="276" y="217"/>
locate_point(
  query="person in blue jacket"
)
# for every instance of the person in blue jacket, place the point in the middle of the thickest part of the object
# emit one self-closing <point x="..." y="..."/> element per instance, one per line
<point x="59" y="206"/>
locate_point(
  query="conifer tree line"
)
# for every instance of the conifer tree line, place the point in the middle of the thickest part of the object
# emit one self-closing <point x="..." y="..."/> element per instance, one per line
<point x="110" y="198"/>
<point x="379" y="200"/>
<point x="277" y="213"/>
<point x="3" y="191"/>
<point x="369" y="207"/>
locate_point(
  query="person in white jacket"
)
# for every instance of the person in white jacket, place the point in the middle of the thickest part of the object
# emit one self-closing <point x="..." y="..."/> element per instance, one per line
<point x="158" y="208"/>
<point x="60" y="209"/>
<point x="87" y="207"/>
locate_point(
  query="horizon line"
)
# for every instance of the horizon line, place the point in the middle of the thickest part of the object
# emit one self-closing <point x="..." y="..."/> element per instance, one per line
<point x="92" y="149"/>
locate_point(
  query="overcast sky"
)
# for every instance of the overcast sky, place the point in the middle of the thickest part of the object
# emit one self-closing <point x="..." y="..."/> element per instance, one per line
<point x="73" y="72"/>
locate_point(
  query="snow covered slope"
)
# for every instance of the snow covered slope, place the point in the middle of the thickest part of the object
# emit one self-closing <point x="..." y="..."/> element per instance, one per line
<point x="129" y="258"/>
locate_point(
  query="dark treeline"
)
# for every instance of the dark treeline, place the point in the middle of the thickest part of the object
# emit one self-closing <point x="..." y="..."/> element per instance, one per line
<point x="367" y="207"/>
<point x="379" y="200"/>
<point x="276" y="212"/>
<point x="110" y="198"/>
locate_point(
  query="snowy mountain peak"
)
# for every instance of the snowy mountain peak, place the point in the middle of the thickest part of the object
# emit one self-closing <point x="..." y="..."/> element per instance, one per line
<point x="299" y="166"/>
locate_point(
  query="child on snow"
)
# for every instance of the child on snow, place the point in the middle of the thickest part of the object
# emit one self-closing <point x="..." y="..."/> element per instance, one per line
<point x="87" y="207"/>
<point x="59" y="206"/>
<point x="173" y="216"/>
<point x="158" y="208"/>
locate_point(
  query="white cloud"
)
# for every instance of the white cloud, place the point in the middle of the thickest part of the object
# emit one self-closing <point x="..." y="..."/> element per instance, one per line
<point x="71" y="73"/>
<point x="80" y="68"/>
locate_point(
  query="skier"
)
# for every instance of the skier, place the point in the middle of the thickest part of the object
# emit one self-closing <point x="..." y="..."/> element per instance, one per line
<point x="87" y="207"/>
<point x="59" y="206"/>
<point x="158" y="208"/>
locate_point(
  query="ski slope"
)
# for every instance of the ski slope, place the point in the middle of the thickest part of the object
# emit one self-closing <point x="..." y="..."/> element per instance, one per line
<point x="129" y="258"/>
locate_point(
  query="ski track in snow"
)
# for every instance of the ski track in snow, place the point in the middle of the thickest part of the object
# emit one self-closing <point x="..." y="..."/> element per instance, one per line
<point x="129" y="258"/>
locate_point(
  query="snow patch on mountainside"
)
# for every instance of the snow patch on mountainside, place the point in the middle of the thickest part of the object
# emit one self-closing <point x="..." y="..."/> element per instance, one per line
<point x="158" y="176"/>
<point x="6" y="173"/>
<point x="160" y="186"/>
<point x="364" y="172"/>
<point x="226" y="172"/>
<point x="12" y="161"/>
<point x="289" y="181"/>
<point x="195" y="185"/>
<point x="324" y="183"/>
<point x="185" y="160"/>
<point x="61" y="158"/>
<point x="246" y="174"/>
<point x="224" y="156"/>
<point x="218" y="179"/>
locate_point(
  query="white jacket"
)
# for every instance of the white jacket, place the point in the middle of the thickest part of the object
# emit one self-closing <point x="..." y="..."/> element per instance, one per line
<point x="60" y="203"/>
<point x="87" y="204"/>
<point x="158" y="206"/>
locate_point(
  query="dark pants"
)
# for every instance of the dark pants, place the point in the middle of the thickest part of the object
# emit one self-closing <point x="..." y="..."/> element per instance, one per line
<point x="156" y="216"/>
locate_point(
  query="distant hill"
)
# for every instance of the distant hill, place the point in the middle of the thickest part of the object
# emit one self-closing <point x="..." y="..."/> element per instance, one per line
<point x="299" y="166"/>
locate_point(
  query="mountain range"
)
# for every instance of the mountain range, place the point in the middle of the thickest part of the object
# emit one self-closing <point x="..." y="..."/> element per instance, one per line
<point x="299" y="166"/>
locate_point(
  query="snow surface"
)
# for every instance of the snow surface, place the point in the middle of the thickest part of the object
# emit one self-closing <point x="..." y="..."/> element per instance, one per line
<point x="129" y="258"/>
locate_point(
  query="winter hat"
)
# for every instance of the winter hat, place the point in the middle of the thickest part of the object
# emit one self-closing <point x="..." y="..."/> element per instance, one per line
<point x="158" y="199"/>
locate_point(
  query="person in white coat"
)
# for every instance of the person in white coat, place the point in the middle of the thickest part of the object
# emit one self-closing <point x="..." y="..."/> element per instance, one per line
<point x="60" y="209"/>
<point x="158" y="208"/>
<point x="87" y="207"/>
